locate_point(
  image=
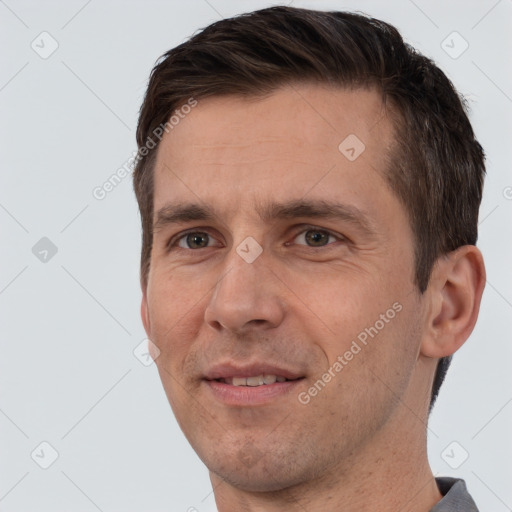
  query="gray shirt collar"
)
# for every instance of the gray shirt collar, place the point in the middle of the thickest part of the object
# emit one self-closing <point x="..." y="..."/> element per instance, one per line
<point x="456" y="496"/>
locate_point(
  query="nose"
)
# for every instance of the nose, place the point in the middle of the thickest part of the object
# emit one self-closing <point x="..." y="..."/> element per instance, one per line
<point x="248" y="296"/>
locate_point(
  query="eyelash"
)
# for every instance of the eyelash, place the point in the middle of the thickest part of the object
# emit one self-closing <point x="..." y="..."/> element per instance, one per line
<point x="173" y="243"/>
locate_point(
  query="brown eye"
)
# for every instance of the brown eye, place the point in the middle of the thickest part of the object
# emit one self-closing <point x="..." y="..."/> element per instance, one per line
<point x="315" y="237"/>
<point x="195" y="240"/>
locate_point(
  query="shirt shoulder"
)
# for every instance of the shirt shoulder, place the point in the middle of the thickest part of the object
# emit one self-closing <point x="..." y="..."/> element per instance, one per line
<point x="456" y="497"/>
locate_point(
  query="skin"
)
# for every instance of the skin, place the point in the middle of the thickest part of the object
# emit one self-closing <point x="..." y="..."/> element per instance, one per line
<point x="360" y="443"/>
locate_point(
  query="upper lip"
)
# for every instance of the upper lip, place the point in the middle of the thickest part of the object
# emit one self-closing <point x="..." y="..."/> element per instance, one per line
<point x="228" y="370"/>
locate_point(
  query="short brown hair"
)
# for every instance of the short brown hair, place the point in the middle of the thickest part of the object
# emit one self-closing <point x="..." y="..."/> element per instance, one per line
<point x="437" y="168"/>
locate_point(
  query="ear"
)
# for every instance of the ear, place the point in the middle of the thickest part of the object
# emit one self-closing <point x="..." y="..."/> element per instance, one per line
<point x="144" y="310"/>
<point x="454" y="293"/>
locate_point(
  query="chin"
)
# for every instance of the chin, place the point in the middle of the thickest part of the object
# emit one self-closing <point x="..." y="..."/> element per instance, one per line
<point x="256" y="480"/>
<point x="250" y="470"/>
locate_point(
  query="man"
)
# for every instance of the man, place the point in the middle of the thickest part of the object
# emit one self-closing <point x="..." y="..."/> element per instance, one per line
<point x="309" y="189"/>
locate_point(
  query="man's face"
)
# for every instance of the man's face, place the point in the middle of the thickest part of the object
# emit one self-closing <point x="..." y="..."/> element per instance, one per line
<point x="270" y="287"/>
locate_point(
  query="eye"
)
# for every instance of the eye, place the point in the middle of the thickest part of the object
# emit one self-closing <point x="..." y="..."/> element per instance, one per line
<point x="192" y="240"/>
<point x="311" y="236"/>
<point x="316" y="237"/>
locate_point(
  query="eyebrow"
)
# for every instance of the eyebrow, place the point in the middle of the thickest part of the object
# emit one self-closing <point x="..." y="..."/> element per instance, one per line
<point x="179" y="213"/>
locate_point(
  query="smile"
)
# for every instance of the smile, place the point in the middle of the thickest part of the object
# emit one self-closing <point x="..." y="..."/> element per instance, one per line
<point x="258" y="380"/>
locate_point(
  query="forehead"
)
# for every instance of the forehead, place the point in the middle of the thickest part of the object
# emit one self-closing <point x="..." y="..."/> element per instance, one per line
<point x="313" y="114"/>
<point x="300" y="140"/>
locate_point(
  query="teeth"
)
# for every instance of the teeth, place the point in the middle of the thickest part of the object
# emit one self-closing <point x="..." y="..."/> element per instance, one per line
<point x="258" y="380"/>
<point x="269" y="379"/>
<point x="255" y="381"/>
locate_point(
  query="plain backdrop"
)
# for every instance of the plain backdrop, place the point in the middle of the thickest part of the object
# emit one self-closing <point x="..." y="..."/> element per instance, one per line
<point x="73" y="375"/>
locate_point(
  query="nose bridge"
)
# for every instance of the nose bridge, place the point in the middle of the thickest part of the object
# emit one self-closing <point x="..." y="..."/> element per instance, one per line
<point x="246" y="295"/>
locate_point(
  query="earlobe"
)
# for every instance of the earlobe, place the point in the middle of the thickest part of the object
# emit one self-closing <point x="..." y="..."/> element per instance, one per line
<point x="455" y="291"/>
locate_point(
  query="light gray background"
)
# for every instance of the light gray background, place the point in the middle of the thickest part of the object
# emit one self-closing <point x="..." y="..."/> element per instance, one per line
<point x="69" y="326"/>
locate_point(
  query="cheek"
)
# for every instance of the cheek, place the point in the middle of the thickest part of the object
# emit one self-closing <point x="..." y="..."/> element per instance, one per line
<point x="372" y="366"/>
<point x="362" y="332"/>
<point x="389" y="347"/>
<point x="335" y="305"/>
<point x="176" y="311"/>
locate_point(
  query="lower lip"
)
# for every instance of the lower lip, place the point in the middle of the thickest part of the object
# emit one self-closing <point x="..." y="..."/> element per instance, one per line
<point x="249" y="395"/>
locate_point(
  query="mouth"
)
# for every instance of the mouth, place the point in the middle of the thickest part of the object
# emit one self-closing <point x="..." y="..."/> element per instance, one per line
<point x="255" y="381"/>
<point x="251" y="385"/>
